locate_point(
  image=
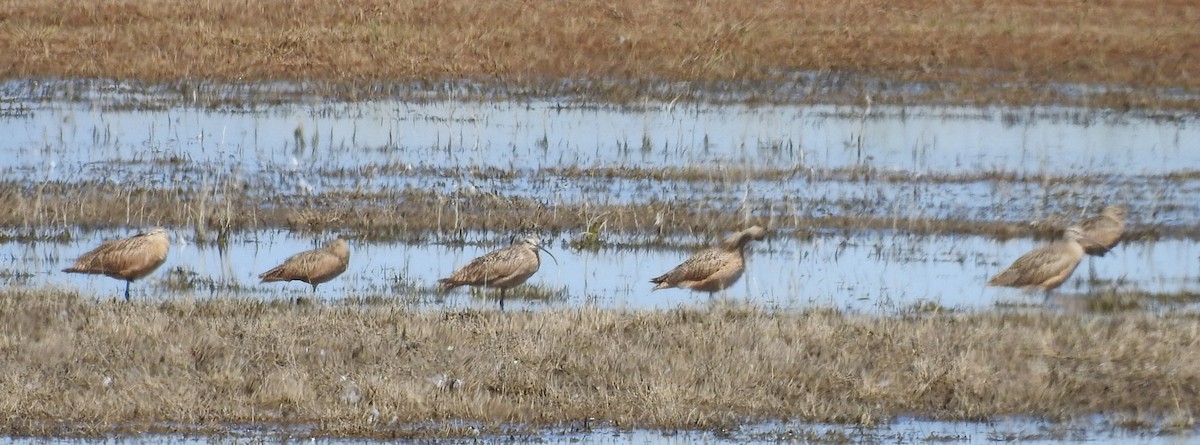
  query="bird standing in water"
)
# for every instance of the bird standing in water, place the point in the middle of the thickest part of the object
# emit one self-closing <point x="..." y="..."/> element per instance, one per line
<point x="126" y="259"/>
<point x="313" y="266"/>
<point x="1046" y="267"/>
<point x="715" y="268"/>
<point x="501" y="269"/>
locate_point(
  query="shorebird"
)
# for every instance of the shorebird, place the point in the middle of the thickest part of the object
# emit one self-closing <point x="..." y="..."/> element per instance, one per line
<point x="1103" y="231"/>
<point x="502" y="269"/>
<point x="1046" y="267"/>
<point x="313" y="266"/>
<point x="712" y="269"/>
<point x="126" y="259"/>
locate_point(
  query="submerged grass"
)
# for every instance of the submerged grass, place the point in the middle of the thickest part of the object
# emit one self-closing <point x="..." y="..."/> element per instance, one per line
<point x="51" y="210"/>
<point x="72" y="365"/>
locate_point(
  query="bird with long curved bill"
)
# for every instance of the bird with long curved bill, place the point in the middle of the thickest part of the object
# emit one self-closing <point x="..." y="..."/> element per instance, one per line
<point x="501" y="269"/>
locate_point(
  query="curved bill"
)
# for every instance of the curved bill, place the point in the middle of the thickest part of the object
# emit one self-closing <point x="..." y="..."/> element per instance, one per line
<point x="543" y="249"/>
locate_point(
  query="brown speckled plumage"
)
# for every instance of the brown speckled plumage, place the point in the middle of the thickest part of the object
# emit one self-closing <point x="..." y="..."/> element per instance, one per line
<point x="1046" y="267"/>
<point x="712" y="269"/>
<point x="313" y="266"/>
<point x="1103" y="231"/>
<point x="502" y="269"/>
<point x="126" y="259"/>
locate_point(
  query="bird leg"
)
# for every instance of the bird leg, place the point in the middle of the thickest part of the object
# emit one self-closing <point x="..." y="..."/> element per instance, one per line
<point x="502" y="291"/>
<point x="127" y="289"/>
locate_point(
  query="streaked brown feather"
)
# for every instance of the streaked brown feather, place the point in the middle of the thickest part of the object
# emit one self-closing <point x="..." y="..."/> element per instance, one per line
<point x="1046" y="267"/>
<point x="126" y="259"/>
<point x="1105" y="229"/>
<point x="503" y="268"/>
<point x="712" y="269"/>
<point x="313" y="266"/>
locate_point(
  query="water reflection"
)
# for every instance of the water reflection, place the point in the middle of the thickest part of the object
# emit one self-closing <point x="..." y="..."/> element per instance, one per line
<point x="880" y="272"/>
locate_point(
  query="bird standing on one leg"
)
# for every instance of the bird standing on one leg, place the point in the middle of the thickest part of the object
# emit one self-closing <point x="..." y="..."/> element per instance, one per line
<point x="126" y="259"/>
<point x="502" y="269"/>
<point x="1046" y="267"/>
<point x="313" y="266"/>
<point x="712" y="269"/>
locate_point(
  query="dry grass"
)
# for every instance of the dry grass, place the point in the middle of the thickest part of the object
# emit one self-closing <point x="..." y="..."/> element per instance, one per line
<point x="76" y="366"/>
<point x="1020" y="47"/>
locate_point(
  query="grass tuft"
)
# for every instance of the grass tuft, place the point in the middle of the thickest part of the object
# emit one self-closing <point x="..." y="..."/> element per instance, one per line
<point x="383" y="371"/>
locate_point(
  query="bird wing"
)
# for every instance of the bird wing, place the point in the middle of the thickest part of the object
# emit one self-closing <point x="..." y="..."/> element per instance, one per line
<point x="1035" y="267"/>
<point x="491" y="267"/>
<point x="303" y="266"/>
<point x="700" y="266"/>
<point x="1102" y="233"/>
<point x="128" y="258"/>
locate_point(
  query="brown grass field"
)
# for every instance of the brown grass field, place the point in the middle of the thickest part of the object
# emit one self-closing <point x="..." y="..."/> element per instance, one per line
<point x="984" y="51"/>
<point x="73" y="366"/>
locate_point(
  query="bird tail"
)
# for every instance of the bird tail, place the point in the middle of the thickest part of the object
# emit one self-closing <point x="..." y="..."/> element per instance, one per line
<point x="660" y="283"/>
<point x="999" y="280"/>
<point x="270" y="276"/>
<point x="447" y="284"/>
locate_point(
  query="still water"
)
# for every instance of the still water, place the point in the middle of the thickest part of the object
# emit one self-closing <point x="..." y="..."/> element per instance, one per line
<point x="880" y="272"/>
<point x="944" y="163"/>
<point x="315" y="146"/>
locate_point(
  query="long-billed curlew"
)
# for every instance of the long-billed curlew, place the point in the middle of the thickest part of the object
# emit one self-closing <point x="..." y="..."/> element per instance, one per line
<point x="502" y="269"/>
<point x="313" y="266"/>
<point x="1046" y="267"/>
<point x="126" y="259"/>
<point x="712" y="269"/>
<point x="1102" y="232"/>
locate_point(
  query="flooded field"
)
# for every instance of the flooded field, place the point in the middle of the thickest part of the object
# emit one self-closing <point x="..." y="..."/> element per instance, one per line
<point x="874" y="208"/>
<point x="874" y="211"/>
<point x="1013" y="430"/>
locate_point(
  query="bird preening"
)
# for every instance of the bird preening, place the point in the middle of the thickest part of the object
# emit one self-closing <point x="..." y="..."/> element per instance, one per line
<point x="126" y="259"/>
<point x="713" y="269"/>
<point x="501" y="269"/>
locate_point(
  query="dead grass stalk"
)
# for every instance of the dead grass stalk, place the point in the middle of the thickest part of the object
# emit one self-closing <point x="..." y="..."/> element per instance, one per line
<point x="376" y="370"/>
<point x="989" y="51"/>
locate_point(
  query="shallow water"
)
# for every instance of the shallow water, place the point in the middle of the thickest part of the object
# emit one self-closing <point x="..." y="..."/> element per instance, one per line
<point x="936" y="162"/>
<point x="909" y="163"/>
<point x="947" y="163"/>
<point x="882" y="272"/>
<point x="120" y="125"/>
<point x="906" y="430"/>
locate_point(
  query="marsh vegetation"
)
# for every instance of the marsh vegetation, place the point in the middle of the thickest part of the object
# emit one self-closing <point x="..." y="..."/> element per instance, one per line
<point x="899" y="153"/>
<point x="77" y="366"/>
